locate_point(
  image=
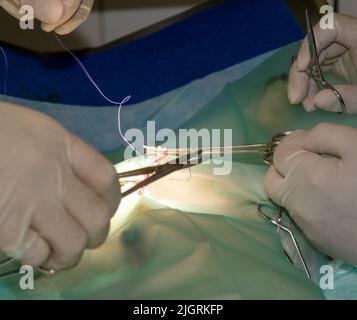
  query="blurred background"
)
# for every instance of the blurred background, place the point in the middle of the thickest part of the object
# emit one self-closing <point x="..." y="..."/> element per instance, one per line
<point x="110" y="20"/>
<point x="129" y="19"/>
<point x="345" y="6"/>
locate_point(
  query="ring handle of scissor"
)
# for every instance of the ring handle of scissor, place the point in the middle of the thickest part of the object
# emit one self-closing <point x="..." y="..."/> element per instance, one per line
<point x="326" y="85"/>
<point x="275" y="141"/>
<point x="315" y="71"/>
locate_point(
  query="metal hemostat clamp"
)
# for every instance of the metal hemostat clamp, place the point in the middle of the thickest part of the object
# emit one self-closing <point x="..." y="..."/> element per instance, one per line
<point x="187" y="158"/>
<point x="315" y="71"/>
<point x="278" y="222"/>
<point x="15" y="271"/>
<point x="270" y="149"/>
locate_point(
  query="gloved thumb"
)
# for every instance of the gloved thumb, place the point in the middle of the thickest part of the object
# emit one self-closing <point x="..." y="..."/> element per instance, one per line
<point x="327" y="100"/>
<point x="47" y="11"/>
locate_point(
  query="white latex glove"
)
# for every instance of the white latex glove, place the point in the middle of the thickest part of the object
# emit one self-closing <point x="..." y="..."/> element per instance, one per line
<point x="337" y="50"/>
<point x="57" y="193"/>
<point x="61" y="16"/>
<point x="319" y="191"/>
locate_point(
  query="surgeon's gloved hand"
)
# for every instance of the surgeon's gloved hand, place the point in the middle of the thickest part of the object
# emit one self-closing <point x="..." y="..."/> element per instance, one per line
<point x="57" y="193"/>
<point x="61" y="16"/>
<point x="319" y="191"/>
<point x="337" y="50"/>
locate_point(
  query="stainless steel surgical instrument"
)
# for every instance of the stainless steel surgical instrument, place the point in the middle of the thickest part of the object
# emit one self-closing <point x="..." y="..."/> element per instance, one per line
<point x="315" y="71"/>
<point x="186" y="158"/>
<point x="190" y="157"/>
<point x="277" y="220"/>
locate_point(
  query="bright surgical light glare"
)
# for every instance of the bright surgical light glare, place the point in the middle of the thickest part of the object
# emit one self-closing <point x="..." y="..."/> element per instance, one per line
<point x="194" y="190"/>
<point x="129" y="203"/>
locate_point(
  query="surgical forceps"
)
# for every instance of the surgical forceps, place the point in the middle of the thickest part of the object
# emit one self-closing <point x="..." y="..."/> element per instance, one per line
<point x="191" y="157"/>
<point x="12" y="272"/>
<point x="315" y="71"/>
<point x="197" y="156"/>
<point x="186" y="158"/>
<point x="157" y="172"/>
<point x="7" y="274"/>
<point x="278" y="222"/>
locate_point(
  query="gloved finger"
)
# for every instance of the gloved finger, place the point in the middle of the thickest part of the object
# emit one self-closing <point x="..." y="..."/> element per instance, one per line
<point x="309" y="102"/>
<point x="301" y="89"/>
<point x="89" y="210"/>
<point x="47" y="11"/>
<point x="24" y="244"/>
<point x="94" y="170"/>
<point x="327" y="100"/>
<point x="329" y="139"/>
<point x="36" y="251"/>
<point x="70" y="8"/>
<point x="291" y="139"/>
<point x="79" y="17"/>
<point x="340" y="33"/>
<point x="273" y="181"/>
<point x="328" y="63"/>
<point x="335" y="50"/>
<point x="298" y="86"/>
<point x="332" y="53"/>
<point x="288" y="156"/>
<point x="66" y="238"/>
<point x="11" y="7"/>
<point x="303" y="59"/>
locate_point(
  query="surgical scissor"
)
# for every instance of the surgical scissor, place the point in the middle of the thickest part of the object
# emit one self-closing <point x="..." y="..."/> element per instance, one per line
<point x="315" y="71"/>
<point x="197" y="156"/>
<point x="186" y="158"/>
<point x="191" y="157"/>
